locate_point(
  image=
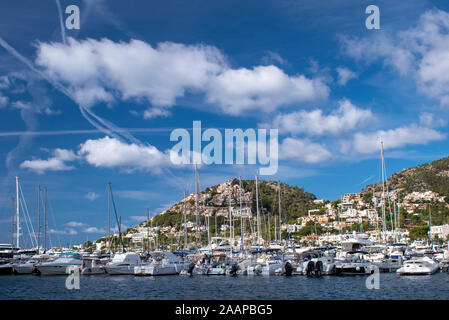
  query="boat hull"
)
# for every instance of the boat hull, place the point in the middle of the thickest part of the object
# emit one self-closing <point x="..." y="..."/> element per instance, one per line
<point x="57" y="269"/>
<point x="117" y="270"/>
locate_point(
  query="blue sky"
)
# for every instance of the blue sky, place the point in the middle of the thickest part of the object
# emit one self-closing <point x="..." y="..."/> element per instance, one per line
<point x="310" y="69"/>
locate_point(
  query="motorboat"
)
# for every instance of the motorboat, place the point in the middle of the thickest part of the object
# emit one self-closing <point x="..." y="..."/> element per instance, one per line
<point x="66" y="263"/>
<point x="92" y="265"/>
<point x="354" y="264"/>
<point x="160" y="263"/>
<point x="25" y="267"/>
<point x="123" y="263"/>
<point x="419" y="266"/>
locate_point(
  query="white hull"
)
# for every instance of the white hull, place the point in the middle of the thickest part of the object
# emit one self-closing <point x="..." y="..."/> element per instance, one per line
<point x="155" y="270"/>
<point x="120" y="269"/>
<point x="93" y="270"/>
<point x="24" y="268"/>
<point x="57" y="269"/>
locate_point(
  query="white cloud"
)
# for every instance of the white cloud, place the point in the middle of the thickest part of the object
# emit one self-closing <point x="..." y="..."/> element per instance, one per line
<point x="3" y="101"/>
<point x="344" y="75"/>
<point x="91" y="196"/>
<point x="347" y="117"/>
<point x="303" y="150"/>
<point x="263" y="88"/>
<point x="94" y="230"/>
<point x="75" y="224"/>
<point x="422" y="52"/>
<point x="431" y="120"/>
<point x="55" y="163"/>
<point x="94" y="69"/>
<point x="106" y="71"/>
<point x="155" y="113"/>
<point x="70" y="232"/>
<point x="366" y="143"/>
<point x="110" y="152"/>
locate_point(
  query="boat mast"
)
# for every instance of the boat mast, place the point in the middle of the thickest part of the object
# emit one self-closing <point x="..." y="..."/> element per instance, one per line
<point x="384" y="227"/>
<point x="185" y="222"/>
<point x="280" y="210"/>
<point x="17" y="214"/>
<point x="230" y="225"/>
<point x="45" y="219"/>
<point x="242" y="228"/>
<point x="196" y="205"/>
<point x="258" y="214"/>
<point x="430" y="225"/>
<point x="38" y="217"/>
<point x="148" y="229"/>
<point x="109" y="218"/>
<point x="13" y="211"/>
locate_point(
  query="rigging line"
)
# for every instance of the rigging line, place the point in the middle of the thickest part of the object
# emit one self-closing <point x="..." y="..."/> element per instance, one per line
<point x="54" y="221"/>
<point x="116" y="217"/>
<point x="27" y="218"/>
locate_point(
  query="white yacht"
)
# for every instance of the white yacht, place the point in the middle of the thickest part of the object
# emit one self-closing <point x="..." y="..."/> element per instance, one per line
<point x="92" y="265"/>
<point x="161" y="263"/>
<point x="123" y="263"/>
<point x="65" y="264"/>
<point x="354" y="264"/>
<point x="419" y="266"/>
<point x="25" y="267"/>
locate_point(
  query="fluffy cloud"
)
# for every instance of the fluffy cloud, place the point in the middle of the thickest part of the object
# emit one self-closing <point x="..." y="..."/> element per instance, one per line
<point x="3" y="101"/>
<point x="75" y="224"/>
<point x="366" y="143"/>
<point x="104" y="71"/>
<point x="55" y="163"/>
<point x="155" y="113"/>
<point x="303" y="150"/>
<point x="93" y="69"/>
<point x="94" y="230"/>
<point x="347" y="117"/>
<point x="263" y="88"/>
<point x="91" y="196"/>
<point x="70" y="232"/>
<point x="422" y="52"/>
<point x="110" y="152"/>
<point x="344" y="75"/>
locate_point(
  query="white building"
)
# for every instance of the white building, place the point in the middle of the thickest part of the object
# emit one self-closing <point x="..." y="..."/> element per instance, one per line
<point x="439" y="232"/>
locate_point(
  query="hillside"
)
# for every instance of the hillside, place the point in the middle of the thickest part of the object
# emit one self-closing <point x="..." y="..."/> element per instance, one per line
<point x="215" y="201"/>
<point x="432" y="176"/>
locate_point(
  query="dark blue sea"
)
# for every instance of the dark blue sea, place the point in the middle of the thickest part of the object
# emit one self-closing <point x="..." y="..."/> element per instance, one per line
<point x="225" y="288"/>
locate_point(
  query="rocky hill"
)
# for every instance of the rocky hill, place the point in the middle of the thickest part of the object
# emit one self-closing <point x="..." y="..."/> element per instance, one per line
<point x="432" y="176"/>
<point x="215" y="201"/>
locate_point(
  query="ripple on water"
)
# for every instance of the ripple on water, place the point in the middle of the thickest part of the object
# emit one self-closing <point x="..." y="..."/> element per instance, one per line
<point x="222" y="287"/>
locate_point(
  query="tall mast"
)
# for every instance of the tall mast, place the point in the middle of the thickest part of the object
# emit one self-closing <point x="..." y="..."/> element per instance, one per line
<point x="280" y="210"/>
<point x="196" y="205"/>
<point x="13" y="211"/>
<point x="430" y="224"/>
<point x="242" y="228"/>
<point x="38" y="217"/>
<point x="109" y="217"/>
<point x="17" y="214"/>
<point x="383" y="191"/>
<point x="148" y="229"/>
<point x="45" y="219"/>
<point x="230" y="225"/>
<point x="258" y="214"/>
<point x="185" y="222"/>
